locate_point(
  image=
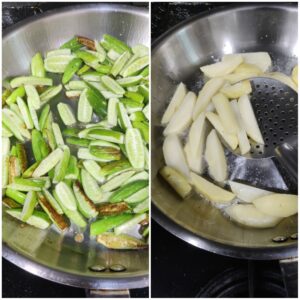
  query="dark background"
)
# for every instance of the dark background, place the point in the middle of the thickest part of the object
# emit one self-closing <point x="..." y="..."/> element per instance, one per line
<point x="182" y="270"/>
<point x="15" y="281"/>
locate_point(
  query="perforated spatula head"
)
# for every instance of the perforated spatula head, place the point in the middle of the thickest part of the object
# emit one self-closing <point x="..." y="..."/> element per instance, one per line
<point x="275" y="105"/>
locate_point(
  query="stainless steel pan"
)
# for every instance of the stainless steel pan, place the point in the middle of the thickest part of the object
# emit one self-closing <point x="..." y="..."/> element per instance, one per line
<point x="47" y="253"/>
<point x="176" y="57"/>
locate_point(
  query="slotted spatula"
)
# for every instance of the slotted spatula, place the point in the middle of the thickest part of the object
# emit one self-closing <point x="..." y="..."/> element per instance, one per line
<point x="275" y="105"/>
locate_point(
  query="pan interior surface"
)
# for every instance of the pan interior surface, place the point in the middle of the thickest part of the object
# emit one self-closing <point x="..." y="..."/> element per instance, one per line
<point x="48" y="253"/>
<point x="176" y="58"/>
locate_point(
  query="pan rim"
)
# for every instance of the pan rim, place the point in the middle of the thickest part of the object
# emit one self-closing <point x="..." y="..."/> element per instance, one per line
<point x="252" y="253"/>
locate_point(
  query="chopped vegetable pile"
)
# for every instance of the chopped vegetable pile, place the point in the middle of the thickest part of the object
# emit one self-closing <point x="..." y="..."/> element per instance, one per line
<point x="80" y="159"/>
<point x="222" y="116"/>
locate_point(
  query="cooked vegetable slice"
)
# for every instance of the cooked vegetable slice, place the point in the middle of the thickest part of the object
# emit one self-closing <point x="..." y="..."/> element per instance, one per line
<point x="223" y="67"/>
<point x="121" y="241"/>
<point x="226" y="113"/>
<point x="85" y="205"/>
<point x="177" y="181"/>
<point x="127" y="190"/>
<point x="25" y="113"/>
<point x="18" y="81"/>
<point x="277" y="205"/>
<point x="56" y="218"/>
<point x="182" y="118"/>
<point x="37" y="66"/>
<point x="260" y="59"/>
<point x="135" y="148"/>
<point x="174" y="155"/>
<point x="211" y="191"/>
<point x="237" y="90"/>
<point x="84" y="110"/>
<point x="127" y="226"/>
<point x="65" y="195"/>
<point x="215" y="157"/>
<point x="90" y="187"/>
<point x="244" y="143"/>
<point x="108" y="223"/>
<point x="94" y="169"/>
<point x="230" y="139"/>
<point x="48" y="163"/>
<point x="110" y="209"/>
<point x="246" y="192"/>
<point x="66" y="114"/>
<point x="29" y="205"/>
<point x="116" y="181"/>
<point x="248" y="215"/>
<point x="37" y="219"/>
<point x="249" y="119"/>
<point x="205" y="95"/>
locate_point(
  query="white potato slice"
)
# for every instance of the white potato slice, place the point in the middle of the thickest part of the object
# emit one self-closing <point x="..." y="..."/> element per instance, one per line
<point x="260" y="59"/>
<point x="176" y="180"/>
<point x="195" y="162"/>
<point x="248" y="215"/>
<point x="182" y="118"/>
<point x="211" y="191"/>
<point x="282" y="78"/>
<point x="230" y="139"/>
<point x="248" y="68"/>
<point x="209" y="89"/>
<point x="226" y="113"/>
<point x="174" y="155"/>
<point x="175" y="102"/>
<point x="249" y="119"/>
<point x="295" y="74"/>
<point x="277" y="205"/>
<point x="244" y="143"/>
<point x="215" y="157"/>
<point x="197" y="134"/>
<point x="237" y="90"/>
<point x="247" y="193"/>
<point x="210" y="107"/>
<point x="237" y="77"/>
<point x="222" y="68"/>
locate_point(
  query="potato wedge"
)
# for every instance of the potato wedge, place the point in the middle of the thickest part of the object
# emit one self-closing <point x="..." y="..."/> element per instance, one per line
<point x="247" y="193"/>
<point x="277" y="205"/>
<point x="210" y="88"/>
<point x="249" y="119"/>
<point x="248" y="215"/>
<point x="237" y="90"/>
<point x="177" y="181"/>
<point x="211" y="191"/>
<point x="174" y="155"/>
<point x="226" y="113"/>
<point x="230" y="139"/>
<point x="215" y="157"/>
<point x="197" y="134"/>
<point x="282" y="78"/>
<point x="222" y="68"/>
<point x="248" y="68"/>
<point x="182" y="118"/>
<point x="175" y="102"/>
<point x="210" y="107"/>
<point x="195" y="162"/>
<point x="295" y="74"/>
<point x="237" y="77"/>
<point x="260" y="59"/>
<point x="244" y="143"/>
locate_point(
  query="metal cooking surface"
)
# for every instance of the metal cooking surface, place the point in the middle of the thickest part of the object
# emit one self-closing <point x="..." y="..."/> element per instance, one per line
<point x="48" y="253"/>
<point x="177" y="57"/>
